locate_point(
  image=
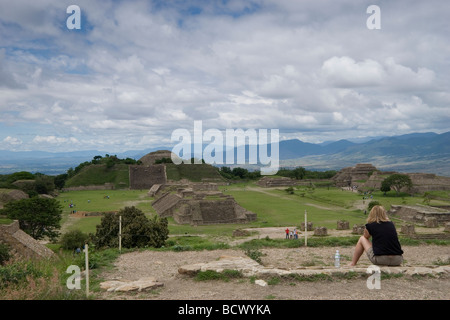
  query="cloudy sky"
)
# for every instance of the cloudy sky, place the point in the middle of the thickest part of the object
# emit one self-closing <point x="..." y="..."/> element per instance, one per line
<point x="138" y="70"/>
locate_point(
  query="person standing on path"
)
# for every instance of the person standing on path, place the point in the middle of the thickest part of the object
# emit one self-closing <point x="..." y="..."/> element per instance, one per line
<point x="287" y="233"/>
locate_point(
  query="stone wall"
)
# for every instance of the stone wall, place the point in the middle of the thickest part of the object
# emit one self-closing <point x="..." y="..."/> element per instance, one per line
<point x="268" y="182"/>
<point x="419" y="214"/>
<point x="144" y="177"/>
<point x="21" y="243"/>
<point x="106" y="186"/>
<point x="204" y="212"/>
<point x="187" y="206"/>
<point x="352" y="176"/>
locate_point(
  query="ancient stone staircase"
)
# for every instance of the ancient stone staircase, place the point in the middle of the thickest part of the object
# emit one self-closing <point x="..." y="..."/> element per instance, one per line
<point x="21" y="243"/>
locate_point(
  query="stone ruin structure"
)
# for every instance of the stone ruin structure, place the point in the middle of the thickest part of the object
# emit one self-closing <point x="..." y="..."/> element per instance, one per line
<point x="343" y="225"/>
<point x="369" y="177"/>
<point x="22" y="244"/>
<point x="199" y="204"/>
<point x="320" y="231"/>
<point x="309" y="226"/>
<point x="149" y="173"/>
<point x="426" y="215"/>
<point x="351" y="176"/>
<point x="144" y="177"/>
<point x="358" y="229"/>
<point x="269" y="182"/>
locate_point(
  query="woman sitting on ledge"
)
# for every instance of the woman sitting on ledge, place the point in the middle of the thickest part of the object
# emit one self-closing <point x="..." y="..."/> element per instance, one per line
<point x="385" y="249"/>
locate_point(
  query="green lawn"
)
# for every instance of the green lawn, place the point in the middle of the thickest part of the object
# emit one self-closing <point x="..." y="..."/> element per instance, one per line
<point x="98" y="201"/>
<point x="274" y="207"/>
<point x="277" y="208"/>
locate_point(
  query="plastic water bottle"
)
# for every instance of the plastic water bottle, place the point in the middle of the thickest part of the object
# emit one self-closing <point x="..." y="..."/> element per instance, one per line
<point x="337" y="259"/>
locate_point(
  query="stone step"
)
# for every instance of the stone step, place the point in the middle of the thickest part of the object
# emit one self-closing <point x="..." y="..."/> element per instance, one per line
<point x="251" y="268"/>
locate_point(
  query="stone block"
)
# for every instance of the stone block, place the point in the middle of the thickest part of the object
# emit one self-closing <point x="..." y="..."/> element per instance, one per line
<point x="320" y="231"/>
<point x="343" y="225"/>
<point x="310" y="226"/>
<point x="408" y="229"/>
<point x="431" y="222"/>
<point x="358" y="229"/>
<point x="447" y="227"/>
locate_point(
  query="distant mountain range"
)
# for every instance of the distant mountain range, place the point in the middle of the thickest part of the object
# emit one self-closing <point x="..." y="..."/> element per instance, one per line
<point x="415" y="152"/>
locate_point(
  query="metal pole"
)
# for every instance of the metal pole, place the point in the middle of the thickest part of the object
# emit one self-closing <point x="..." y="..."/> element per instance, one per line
<point x="86" y="248"/>
<point x="120" y="233"/>
<point x="306" y="231"/>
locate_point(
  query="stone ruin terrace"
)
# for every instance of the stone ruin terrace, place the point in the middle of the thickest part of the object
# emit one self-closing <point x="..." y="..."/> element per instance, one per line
<point x="198" y="204"/>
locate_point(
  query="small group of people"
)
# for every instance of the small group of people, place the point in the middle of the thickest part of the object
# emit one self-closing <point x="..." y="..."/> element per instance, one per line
<point x="383" y="249"/>
<point x="292" y="234"/>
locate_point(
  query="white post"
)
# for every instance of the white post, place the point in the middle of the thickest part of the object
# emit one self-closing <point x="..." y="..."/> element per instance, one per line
<point x="87" y="268"/>
<point x="120" y="233"/>
<point x="306" y="231"/>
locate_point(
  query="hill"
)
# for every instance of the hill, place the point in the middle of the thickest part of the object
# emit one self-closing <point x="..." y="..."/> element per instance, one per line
<point x="416" y="152"/>
<point x="99" y="174"/>
<point x="193" y="172"/>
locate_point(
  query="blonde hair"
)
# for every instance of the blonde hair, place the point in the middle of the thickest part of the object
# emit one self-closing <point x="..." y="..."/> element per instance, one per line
<point x="377" y="214"/>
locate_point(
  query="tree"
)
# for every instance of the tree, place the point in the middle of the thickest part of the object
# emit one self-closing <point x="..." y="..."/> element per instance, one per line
<point x="74" y="239"/>
<point x="385" y="186"/>
<point x="60" y="180"/>
<point x="39" y="217"/>
<point x="137" y="230"/>
<point x="397" y="182"/>
<point x="373" y="204"/>
<point x="299" y="173"/>
<point x="44" y="184"/>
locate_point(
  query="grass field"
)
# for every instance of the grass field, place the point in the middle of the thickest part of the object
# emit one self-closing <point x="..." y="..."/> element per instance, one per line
<point x="101" y="201"/>
<point x="274" y="207"/>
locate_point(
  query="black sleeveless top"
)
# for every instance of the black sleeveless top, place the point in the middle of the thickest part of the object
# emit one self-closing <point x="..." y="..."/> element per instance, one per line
<point x="384" y="238"/>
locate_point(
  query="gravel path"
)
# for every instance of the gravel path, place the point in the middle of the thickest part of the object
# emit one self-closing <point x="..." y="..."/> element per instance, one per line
<point x="164" y="267"/>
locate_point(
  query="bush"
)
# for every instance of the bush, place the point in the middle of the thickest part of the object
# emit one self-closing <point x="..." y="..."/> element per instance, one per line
<point x="254" y="254"/>
<point x="73" y="239"/>
<point x="373" y="204"/>
<point x="137" y="230"/>
<point x="4" y="253"/>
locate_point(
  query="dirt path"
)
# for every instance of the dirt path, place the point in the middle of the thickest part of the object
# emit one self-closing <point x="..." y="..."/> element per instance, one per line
<point x="164" y="267"/>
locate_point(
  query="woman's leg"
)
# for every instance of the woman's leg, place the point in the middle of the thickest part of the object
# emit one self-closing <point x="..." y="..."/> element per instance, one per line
<point x="363" y="245"/>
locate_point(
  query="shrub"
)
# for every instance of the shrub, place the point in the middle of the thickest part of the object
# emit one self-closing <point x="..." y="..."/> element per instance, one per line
<point x="4" y="253"/>
<point x="254" y="254"/>
<point x="373" y="204"/>
<point x="137" y="230"/>
<point x="73" y="239"/>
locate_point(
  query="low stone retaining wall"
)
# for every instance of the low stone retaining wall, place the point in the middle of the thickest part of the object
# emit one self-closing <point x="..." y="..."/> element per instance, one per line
<point x="21" y="243"/>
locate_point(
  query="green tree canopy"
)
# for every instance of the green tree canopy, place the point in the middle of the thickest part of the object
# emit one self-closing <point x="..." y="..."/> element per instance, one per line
<point x="137" y="230"/>
<point x="39" y="217"/>
<point x="396" y="181"/>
